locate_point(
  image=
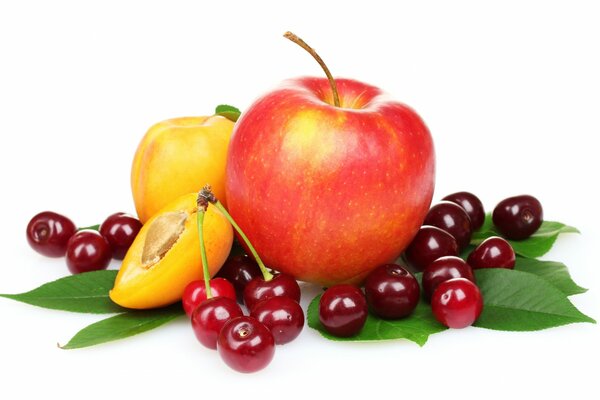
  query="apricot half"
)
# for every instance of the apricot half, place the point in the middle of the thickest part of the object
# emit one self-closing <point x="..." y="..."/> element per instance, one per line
<point x="165" y="255"/>
<point x="179" y="156"/>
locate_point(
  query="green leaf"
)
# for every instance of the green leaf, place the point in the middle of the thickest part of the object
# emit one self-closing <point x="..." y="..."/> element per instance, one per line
<point x="536" y="245"/>
<point x="555" y="273"/>
<point x="122" y="326"/>
<point x="227" y="111"/>
<point x="84" y="293"/>
<point x="520" y="301"/>
<point x="417" y="327"/>
<point x="91" y="228"/>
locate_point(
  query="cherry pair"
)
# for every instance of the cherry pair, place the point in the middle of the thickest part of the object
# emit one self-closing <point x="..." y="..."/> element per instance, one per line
<point x="391" y="292"/>
<point x="245" y="343"/>
<point x="516" y="217"/>
<point x="55" y="235"/>
<point x="449" y="284"/>
<point x="282" y="315"/>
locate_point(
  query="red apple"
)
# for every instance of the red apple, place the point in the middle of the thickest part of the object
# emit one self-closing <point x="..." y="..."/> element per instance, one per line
<point x="328" y="193"/>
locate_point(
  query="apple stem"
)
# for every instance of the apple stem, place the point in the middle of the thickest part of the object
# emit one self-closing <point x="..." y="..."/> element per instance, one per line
<point x="209" y="196"/>
<point x="202" y="207"/>
<point x="289" y="35"/>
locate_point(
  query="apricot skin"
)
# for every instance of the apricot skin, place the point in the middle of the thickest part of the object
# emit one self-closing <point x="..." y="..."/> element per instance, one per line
<point x="179" y="156"/>
<point x="163" y="283"/>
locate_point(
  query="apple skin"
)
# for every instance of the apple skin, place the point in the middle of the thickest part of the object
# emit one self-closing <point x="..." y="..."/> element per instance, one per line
<point x="328" y="193"/>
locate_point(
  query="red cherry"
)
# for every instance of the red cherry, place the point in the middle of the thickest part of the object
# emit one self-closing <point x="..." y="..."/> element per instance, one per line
<point x="195" y="293"/>
<point x="246" y="345"/>
<point x="456" y="303"/>
<point x="453" y="219"/>
<point x="210" y="316"/>
<point x="343" y="310"/>
<point x="518" y="217"/>
<point x="49" y="232"/>
<point x="392" y="292"/>
<point x="87" y="250"/>
<point x="281" y="285"/>
<point x="240" y="270"/>
<point x="429" y="244"/>
<point x="493" y="252"/>
<point x="443" y="269"/>
<point x="283" y="316"/>
<point x="120" y="230"/>
<point x="471" y="204"/>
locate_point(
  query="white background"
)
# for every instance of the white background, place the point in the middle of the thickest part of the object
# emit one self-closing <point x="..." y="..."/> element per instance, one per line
<point x="510" y="92"/>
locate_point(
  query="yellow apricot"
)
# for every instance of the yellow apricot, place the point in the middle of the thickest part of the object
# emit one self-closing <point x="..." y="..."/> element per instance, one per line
<point x="165" y="255"/>
<point x="179" y="156"/>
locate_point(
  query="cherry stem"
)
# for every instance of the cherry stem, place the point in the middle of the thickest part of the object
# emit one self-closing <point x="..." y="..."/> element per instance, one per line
<point x="289" y="35"/>
<point x="200" y="223"/>
<point x="207" y="196"/>
<point x="265" y="272"/>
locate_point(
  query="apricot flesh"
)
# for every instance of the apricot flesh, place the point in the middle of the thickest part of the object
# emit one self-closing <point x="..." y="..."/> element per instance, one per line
<point x="165" y="255"/>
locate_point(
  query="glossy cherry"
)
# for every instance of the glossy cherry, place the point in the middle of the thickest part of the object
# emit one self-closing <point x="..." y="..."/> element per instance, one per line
<point x="518" y="217"/>
<point x="280" y="285"/>
<point x="343" y="310"/>
<point x="210" y="316"/>
<point x="195" y="293"/>
<point x="493" y="252"/>
<point x="120" y="229"/>
<point x="391" y="291"/>
<point x="471" y="204"/>
<point x="87" y="250"/>
<point x="453" y="219"/>
<point x="456" y="303"/>
<point x="246" y="345"/>
<point x="239" y="270"/>
<point x="429" y="244"/>
<point x="283" y="316"/>
<point x="443" y="269"/>
<point x="49" y="232"/>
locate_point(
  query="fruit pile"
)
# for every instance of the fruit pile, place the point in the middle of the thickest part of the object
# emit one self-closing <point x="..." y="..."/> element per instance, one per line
<point x="86" y="249"/>
<point x="392" y="291"/>
<point x="326" y="181"/>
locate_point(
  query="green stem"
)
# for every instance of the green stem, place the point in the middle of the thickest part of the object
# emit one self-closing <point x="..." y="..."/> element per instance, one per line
<point x="266" y="274"/>
<point x="200" y="223"/>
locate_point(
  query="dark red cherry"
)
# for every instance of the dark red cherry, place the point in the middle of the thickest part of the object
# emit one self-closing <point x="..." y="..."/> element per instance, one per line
<point x="456" y="303"/>
<point x="343" y="310"/>
<point x="210" y="316"/>
<point x="246" y="345"/>
<point x="49" y="232"/>
<point x="87" y="250"/>
<point x="429" y="244"/>
<point x="281" y="285"/>
<point x="195" y="293"/>
<point x="283" y="316"/>
<point x="453" y="219"/>
<point x="391" y="291"/>
<point x="493" y="252"/>
<point x="240" y="270"/>
<point x="471" y="204"/>
<point x="443" y="269"/>
<point x="120" y="229"/>
<point x="518" y="217"/>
